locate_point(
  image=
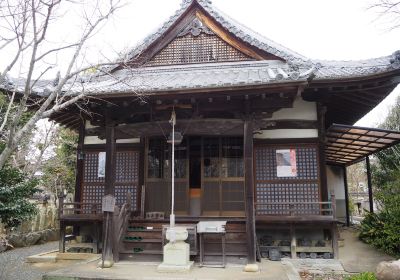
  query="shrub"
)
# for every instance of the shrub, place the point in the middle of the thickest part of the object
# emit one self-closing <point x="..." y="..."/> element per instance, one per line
<point x="382" y="229"/>
<point x="15" y="190"/>
<point x="362" y="276"/>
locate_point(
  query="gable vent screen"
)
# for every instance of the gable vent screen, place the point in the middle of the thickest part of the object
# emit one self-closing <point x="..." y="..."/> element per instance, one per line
<point x="197" y="48"/>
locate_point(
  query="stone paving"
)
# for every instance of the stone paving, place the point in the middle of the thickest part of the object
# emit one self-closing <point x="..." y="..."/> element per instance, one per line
<point x="14" y="267"/>
<point x="357" y="256"/>
<point x="148" y="271"/>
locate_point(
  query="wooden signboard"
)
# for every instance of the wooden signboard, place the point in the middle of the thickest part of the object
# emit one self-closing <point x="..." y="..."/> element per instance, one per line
<point x="108" y="203"/>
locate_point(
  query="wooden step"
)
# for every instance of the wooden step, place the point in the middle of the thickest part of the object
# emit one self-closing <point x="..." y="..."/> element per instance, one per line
<point x="226" y="253"/>
<point x="144" y="230"/>
<point x="144" y="252"/>
<point x="145" y="240"/>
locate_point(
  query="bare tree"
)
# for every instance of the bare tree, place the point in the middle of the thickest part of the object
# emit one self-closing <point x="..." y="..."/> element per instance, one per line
<point x="389" y="11"/>
<point x="24" y="28"/>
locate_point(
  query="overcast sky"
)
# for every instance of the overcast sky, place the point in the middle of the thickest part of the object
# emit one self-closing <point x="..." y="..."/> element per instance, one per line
<point x="335" y="30"/>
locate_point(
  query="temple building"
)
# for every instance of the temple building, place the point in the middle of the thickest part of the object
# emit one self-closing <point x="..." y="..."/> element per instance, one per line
<point x="264" y="136"/>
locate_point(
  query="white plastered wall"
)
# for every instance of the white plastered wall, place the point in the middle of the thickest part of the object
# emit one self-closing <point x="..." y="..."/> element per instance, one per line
<point x="334" y="175"/>
<point x="335" y="180"/>
<point x="302" y="110"/>
<point x="93" y="140"/>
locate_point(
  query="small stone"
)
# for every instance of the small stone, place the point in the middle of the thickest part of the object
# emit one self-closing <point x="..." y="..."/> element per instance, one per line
<point x="388" y="270"/>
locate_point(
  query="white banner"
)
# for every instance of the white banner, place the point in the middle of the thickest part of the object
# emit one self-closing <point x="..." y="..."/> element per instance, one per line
<point x="101" y="169"/>
<point x="286" y="165"/>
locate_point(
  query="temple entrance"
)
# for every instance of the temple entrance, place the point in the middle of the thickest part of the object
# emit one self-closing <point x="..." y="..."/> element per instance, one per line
<point x="209" y="176"/>
<point x="195" y="176"/>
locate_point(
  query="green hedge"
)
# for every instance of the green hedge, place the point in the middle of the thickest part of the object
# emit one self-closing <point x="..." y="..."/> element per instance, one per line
<point x="362" y="276"/>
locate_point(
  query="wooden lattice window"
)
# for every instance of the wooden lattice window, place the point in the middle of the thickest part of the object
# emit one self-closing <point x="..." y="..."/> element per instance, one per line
<point x="126" y="178"/>
<point x="271" y="189"/>
<point x="203" y="48"/>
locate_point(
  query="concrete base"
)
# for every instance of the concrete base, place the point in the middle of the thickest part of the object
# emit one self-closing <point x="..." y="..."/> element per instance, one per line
<point x="47" y="257"/>
<point x="251" y="267"/>
<point x="76" y="256"/>
<point x="175" y="268"/>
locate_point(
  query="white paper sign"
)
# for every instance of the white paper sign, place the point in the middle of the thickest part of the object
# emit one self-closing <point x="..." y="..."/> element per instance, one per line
<point x="101" y="168"/>
<point x="108" y="203"/>
<point x="286" y="165"/>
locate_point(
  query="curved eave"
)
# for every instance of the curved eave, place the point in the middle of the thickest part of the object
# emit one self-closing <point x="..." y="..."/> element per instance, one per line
<point x="186" y="90"/>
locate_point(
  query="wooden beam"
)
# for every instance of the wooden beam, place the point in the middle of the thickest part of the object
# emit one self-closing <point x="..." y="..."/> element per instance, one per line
<point x="285" y="124"/>
<point x="200" y="126"/>
<point x="249" y="191"/>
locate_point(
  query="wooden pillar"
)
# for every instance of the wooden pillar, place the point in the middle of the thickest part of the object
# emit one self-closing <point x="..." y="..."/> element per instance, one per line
<point x="141" y="195"/>
<point x="369" y="179"/>
<point x="79" y="168"/>
<point x="346" y="195"/>
<point x="249" y="191"/>
<point x="109" y="189"/>
<point x="321" y="110"/>
<point x="79" y="163"/>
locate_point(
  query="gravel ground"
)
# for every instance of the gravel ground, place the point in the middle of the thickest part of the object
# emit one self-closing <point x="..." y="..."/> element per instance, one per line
<point x="14" y="267"/>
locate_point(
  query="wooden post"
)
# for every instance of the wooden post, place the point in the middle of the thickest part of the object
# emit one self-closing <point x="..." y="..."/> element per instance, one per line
<point x="370" y="196"/>
<point x="321" y="110"/>
<point x="335" y="240"/>
<point x="334" y="229"/>
<point x="346" y="196"/>
<point x="61" y="243"/>
<point x="79" y="169"/>
<point x="249" y="191"/>
<point x="109" y="189"/>
<point x="293" y="244"/>
<point x="333" y="206"/>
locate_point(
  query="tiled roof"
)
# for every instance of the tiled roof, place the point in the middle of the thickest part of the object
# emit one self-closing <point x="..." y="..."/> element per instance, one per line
<point x="215" y="75"/>
<point x="295" y="68"/>
<point x="195" y="76"/>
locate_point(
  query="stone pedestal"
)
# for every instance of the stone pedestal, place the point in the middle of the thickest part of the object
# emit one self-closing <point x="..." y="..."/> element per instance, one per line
<point x="177" y="252"/>
<point x="251" y="267"/>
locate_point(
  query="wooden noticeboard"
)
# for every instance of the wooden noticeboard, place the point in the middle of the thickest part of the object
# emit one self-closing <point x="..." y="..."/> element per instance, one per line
<point x="108" y="203"/>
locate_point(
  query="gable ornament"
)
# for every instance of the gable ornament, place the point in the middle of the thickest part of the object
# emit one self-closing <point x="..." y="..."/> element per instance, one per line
<point x="196" y="27"/>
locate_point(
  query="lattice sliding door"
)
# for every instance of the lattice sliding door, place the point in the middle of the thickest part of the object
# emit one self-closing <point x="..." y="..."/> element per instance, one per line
<point x="270" y="190"/>
<point x="126" y="178"/>
<point x="158" y="177"/>
<point x="223" y="177"/>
